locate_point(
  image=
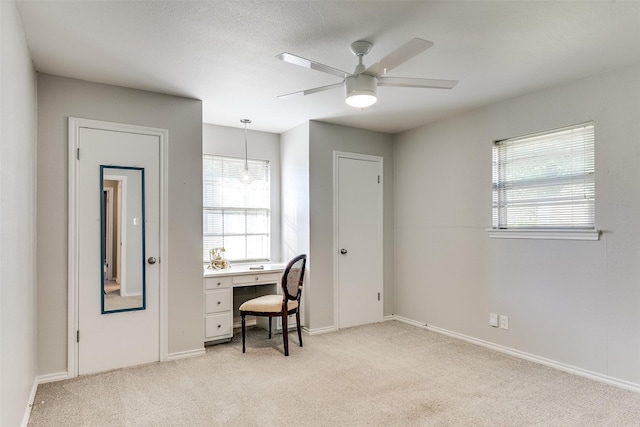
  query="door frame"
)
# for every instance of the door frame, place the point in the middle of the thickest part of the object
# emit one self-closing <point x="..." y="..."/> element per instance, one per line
<point x="75" y="124"/>
<point x="108" y="235"/>
<point x="121" y="254"/>
<point x="337" y="155"/>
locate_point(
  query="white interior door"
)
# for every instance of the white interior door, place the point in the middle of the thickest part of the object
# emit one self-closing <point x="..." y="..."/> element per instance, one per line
<point x="118" y="338"/>
<point x="359" y="239"/>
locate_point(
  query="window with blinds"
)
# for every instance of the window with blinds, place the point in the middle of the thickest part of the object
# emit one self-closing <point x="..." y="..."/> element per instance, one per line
<point x="235" y="215"/>
<point x="545" y="180"/>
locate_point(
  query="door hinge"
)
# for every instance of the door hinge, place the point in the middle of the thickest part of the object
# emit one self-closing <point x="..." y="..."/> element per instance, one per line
<point x="78" y="153"/>
<point x="378" y="179"/>
<point x="378" y="296"/>
<point x="78" y="336"/>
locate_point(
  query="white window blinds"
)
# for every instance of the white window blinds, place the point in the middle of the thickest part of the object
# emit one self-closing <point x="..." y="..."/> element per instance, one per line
<point x="545" y="180"/>
<point x="236" y="215"/>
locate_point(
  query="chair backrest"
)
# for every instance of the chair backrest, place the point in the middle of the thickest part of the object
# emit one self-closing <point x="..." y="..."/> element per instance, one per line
<point x="293" y="277"/>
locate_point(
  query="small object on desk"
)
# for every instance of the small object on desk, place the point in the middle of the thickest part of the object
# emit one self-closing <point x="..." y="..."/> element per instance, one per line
<point x="216" y="259"/>
<point x="258" y="267"/>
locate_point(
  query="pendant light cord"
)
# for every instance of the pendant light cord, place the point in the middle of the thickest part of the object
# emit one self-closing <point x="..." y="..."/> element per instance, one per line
<point x="246" y="161"/>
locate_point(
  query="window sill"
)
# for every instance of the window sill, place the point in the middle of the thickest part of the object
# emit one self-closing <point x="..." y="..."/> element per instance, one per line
<point x="544" y="234"/>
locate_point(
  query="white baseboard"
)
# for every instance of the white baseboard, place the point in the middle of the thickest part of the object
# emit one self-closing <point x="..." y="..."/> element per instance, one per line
<point x="523" y="355"/>
<point x="186" y="354"/>
<point x="49" y="378"/>
<point x="32" y="397"/>
<point x="319" y="331"/>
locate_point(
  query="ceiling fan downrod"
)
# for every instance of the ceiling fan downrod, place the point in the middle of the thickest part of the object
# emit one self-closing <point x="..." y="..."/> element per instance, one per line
<point x="360" y="48"/>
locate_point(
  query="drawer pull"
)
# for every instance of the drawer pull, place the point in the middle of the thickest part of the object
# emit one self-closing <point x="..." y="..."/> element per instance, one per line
<point x="257" y="278"/>
<point x="219" y="283"/>
<point x="219" y="326"/>
<point x="219" y="302"/>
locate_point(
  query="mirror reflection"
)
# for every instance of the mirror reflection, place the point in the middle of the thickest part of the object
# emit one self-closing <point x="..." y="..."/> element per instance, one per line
<point x="122" y="237"/>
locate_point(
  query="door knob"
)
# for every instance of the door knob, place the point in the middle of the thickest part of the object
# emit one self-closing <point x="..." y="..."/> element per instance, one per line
<point x="151" y="260"/>
<point x="343" y="251"/>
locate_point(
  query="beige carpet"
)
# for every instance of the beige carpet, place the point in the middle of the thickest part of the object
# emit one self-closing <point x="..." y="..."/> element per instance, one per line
<point x="386" y="374"/>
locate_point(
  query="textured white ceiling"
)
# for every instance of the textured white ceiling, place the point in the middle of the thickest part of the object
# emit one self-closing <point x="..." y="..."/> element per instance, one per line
<point x="222" y="52"/>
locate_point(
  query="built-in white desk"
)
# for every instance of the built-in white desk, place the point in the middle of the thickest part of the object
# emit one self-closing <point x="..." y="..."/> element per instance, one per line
<point x="225" y="290"/>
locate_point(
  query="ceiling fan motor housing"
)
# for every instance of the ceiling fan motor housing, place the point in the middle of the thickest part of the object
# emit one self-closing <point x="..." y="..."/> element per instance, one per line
<point x="361" y="90"/>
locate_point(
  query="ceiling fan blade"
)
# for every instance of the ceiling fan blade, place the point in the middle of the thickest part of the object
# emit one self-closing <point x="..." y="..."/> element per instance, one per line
<point x="398" y="56"/>
<point x="307" y="63"/>
<point x="310" y="91"/>
<point x="410" y="82"/>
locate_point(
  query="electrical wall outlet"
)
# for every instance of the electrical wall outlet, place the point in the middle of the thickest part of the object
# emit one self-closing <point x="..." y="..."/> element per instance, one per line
<point x="493" y="320"/>
<point x="504" y="322"/>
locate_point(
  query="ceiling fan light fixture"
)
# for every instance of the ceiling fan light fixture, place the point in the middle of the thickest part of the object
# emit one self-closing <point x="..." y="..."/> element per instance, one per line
<point x="360" y="91"/>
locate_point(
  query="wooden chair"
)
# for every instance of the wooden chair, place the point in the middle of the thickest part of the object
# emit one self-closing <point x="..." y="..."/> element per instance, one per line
<point x="280" y="305"/>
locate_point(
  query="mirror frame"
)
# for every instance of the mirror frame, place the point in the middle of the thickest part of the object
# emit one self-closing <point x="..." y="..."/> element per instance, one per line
<point x="143" y="306"/>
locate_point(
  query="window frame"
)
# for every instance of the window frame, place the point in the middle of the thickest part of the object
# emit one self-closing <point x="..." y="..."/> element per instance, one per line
<point x="559" y="232"/>
<point x="247" y="210"/>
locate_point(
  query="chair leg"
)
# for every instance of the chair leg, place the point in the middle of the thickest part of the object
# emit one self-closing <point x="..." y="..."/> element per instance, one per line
<point x="285" y="334"/>
<point x="243" y="325"/>
<point x="299" y="329"/>
<point x="269" y="327"/>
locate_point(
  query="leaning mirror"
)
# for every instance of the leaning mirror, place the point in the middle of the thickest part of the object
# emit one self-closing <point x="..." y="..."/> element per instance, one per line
<point x="122" y="238"/>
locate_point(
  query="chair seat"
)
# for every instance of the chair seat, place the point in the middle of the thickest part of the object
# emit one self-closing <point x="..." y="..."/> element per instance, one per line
<point x="267" y="304"/>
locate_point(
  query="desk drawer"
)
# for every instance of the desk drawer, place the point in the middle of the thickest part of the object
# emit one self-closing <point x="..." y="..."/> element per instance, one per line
<point x="217" y="326"/>
<point x="217" y="282"/>
<point x="248" y="279"/>
<point x="217" y="300"/>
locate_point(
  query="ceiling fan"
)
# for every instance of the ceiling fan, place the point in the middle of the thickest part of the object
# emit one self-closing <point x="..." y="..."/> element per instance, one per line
<point x="361" y="85"/>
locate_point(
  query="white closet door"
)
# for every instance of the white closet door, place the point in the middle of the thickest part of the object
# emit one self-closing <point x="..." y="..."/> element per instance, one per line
<point x="359" y="239"/>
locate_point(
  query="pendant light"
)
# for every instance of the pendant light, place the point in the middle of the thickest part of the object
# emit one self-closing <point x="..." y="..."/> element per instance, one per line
<point x="245" y="176"/>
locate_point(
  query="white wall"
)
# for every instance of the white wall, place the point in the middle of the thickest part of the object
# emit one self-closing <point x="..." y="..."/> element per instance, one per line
<point x="17" y="220"/>
<point x="59" y="98"/>
<point x="227" y="141"/>
<point x="294" y="155"/>
<point x="324" y="139"/>
<point x="575" y="303"/>
<point x="294" y="158"/>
